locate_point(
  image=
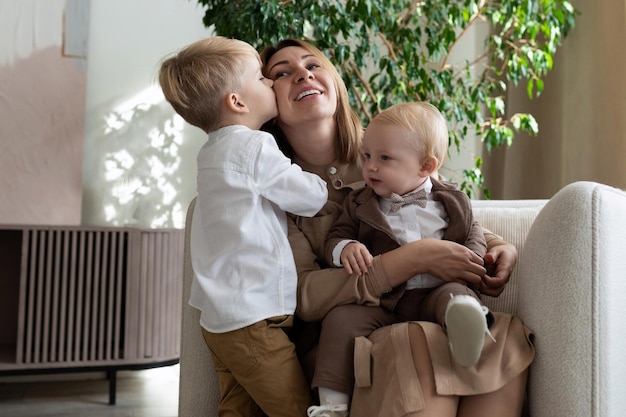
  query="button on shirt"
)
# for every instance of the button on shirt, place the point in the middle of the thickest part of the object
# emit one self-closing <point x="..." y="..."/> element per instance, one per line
<point x="243" y="266"/>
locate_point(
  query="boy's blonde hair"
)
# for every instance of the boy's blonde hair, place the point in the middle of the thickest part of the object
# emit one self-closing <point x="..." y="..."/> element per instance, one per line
<point x="426" y="122"/>
<point x="196" y="79"/>
<point x="350" y="130"/>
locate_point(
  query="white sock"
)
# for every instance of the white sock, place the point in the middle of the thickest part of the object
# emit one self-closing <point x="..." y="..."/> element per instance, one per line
<point x="329" y="396"/>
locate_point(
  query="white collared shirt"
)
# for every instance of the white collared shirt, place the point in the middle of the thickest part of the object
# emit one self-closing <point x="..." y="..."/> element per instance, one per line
<point x="243" y="266"/>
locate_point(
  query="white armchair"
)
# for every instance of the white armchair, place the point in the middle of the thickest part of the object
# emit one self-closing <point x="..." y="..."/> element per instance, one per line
<point x="568" y="287"/>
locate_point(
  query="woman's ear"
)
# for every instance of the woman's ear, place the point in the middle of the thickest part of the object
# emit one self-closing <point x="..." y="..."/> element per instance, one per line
<point x="234" y="104"/>
<point x="429" y="165"/>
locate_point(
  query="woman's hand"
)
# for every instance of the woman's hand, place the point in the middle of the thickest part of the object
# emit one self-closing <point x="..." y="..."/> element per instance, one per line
<point x="500" y="260"/>
<point x="452" y="262"/>
<point x="444" y="259"/>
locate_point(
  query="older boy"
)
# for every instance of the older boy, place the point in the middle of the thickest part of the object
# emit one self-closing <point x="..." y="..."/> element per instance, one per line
<point x="245" y="276"/>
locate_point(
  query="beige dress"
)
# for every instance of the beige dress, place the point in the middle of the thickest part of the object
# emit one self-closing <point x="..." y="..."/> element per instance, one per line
<point x="387" y="351"/>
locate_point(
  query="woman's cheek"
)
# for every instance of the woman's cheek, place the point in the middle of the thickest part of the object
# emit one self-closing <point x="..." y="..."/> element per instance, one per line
<point x="282" y="94"/>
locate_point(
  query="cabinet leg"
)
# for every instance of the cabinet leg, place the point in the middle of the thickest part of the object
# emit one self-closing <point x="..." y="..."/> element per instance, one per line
<point x="112" y="377"/>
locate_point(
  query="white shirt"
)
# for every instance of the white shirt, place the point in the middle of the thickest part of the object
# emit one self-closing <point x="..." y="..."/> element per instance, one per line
<point x="409" y="223"/>
<point x="243" y="266"/>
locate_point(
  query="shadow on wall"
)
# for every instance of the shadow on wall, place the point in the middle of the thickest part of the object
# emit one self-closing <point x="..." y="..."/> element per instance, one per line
<point x="132" y="170"/>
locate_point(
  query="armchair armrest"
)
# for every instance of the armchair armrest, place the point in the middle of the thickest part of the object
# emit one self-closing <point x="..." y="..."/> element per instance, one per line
<point x="572" y="293"/>
<point x="198" y="392"/>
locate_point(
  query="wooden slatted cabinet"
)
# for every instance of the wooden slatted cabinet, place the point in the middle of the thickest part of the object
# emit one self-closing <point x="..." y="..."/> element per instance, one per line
<point x="89" y="298"/>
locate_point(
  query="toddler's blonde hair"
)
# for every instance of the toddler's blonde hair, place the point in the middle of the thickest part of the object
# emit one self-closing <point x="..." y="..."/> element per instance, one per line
<point x="426" y="122"/>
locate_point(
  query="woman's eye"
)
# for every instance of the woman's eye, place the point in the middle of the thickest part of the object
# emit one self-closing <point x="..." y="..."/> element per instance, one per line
<point x="312" y="66"/>
<point x="279" y="74"/>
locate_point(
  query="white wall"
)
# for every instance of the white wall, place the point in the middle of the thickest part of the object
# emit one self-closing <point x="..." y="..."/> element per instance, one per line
<point x="139" y="160"/>
<point x="471" y="45"/>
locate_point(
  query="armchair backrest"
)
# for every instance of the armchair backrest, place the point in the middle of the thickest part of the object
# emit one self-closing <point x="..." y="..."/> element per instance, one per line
<point x="512" y="220"/>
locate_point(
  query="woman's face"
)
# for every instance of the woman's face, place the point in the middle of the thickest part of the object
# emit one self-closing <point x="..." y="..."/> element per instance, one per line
<point x="304" y="89"/>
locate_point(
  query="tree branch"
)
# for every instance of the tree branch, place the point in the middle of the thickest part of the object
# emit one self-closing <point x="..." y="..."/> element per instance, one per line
<point x="353" y="69"/>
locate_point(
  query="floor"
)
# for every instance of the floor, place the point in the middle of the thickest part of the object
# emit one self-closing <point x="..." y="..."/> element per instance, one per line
<point x="146" y="393"/>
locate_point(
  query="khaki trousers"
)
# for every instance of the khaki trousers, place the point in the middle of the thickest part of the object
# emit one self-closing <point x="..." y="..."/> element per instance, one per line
<point x="258" y="371"/>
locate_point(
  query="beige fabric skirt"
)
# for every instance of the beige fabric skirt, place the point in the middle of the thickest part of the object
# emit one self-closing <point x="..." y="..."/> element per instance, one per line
<point x="386" y="380"/>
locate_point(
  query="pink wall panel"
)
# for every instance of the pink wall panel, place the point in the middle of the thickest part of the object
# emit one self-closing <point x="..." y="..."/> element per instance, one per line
<point x="42" y="113"/>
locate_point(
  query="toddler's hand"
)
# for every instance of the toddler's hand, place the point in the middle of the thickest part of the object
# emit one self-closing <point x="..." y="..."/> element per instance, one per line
<point x="355" y="258"/>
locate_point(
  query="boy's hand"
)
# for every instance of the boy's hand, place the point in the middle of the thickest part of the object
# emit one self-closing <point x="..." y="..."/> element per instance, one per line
<point x="355" y="258"/>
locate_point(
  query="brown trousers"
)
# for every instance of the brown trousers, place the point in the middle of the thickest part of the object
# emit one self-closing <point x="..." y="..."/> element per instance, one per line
<point x="258" y="371"/>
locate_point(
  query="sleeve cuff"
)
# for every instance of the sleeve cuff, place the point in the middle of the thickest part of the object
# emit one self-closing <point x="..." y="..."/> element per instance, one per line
<point x="378" y="282"/>
<point x="337" y="251"/>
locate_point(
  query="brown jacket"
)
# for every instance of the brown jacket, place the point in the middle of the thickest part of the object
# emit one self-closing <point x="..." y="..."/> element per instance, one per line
<point x="321" y="287"/>
<point x="362" y="220"/>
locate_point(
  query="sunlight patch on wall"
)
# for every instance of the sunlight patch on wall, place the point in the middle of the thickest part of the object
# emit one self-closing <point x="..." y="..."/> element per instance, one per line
<point x="139" y="163"/>
<point x="150" y="96"/>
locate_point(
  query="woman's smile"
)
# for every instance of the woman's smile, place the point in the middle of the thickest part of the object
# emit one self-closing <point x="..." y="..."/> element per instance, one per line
<point x="307" y="92"/>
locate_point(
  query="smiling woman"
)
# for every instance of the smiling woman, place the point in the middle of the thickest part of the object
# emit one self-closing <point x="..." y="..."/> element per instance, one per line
<point x="325" y="138"/>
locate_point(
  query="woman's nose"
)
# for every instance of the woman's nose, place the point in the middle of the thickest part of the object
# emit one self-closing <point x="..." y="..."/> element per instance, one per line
<point x="304" y="74"/>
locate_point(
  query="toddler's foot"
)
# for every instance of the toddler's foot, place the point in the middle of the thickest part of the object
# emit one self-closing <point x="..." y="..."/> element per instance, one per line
<point x="466" y="324"/>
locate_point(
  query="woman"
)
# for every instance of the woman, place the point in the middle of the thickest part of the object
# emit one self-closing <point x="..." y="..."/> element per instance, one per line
<point x="319" y="131"/>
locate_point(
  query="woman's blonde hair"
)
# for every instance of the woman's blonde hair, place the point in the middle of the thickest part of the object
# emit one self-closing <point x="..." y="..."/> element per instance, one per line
<point x="195" y="79"/>
<point x="425" y="121"/>
<point x="349" y="128"/>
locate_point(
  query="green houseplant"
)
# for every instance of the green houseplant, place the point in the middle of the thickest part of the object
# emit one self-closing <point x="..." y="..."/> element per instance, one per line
<point x="391" y="51"/>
